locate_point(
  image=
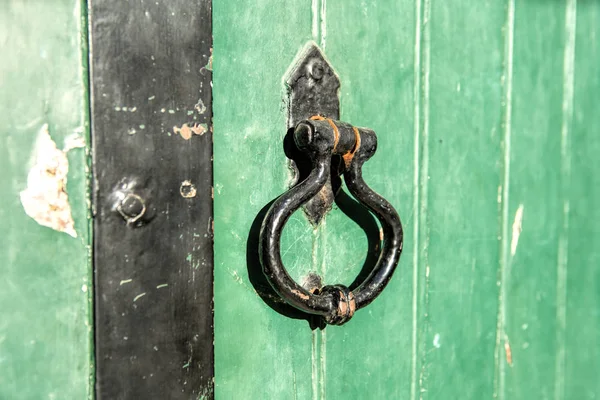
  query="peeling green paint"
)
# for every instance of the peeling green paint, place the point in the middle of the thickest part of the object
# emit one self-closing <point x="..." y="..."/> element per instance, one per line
<point x="46" y="300"/>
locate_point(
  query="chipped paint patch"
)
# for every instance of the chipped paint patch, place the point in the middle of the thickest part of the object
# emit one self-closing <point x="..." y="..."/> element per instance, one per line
<point x="209" y="65"/>
<point x="237" y="277"/>
<point x="187" y="131"/>
<point x="139" y="296"/>
<point x="436" y="341"/>
<point x="300" y="294"/>
<point x="517" y="227"/>
<point x="187" y="189"/>
<point x="508" y="352"/>
<point x="45" y="199"/>
<point x="74" y="141"/>
<point x="207" y="392"/>
<point x="200" y="107"/>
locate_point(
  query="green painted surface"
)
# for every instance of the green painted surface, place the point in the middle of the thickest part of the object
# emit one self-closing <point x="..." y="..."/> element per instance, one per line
<point x="530" y="297"/>
<point x="488" y="129"/>
<point x="359" y="364"/>
<point x="258" y="350"/>
<point x="488" y="134"/>
<point x="45" y="312"/>
<point x="460" y="136"/>
<point x="579" y="321"/>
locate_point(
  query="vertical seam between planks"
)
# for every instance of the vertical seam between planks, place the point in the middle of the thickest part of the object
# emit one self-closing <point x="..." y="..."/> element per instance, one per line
<point x="565" y="156"/>
<point x="501" y="338"/>
<point x="323" y="23"/>
<point x="319" y="338"/>
<point x="424" y="172"/>
<point x="315" y="364"/>
<point x="323" y="334"/>
<point x="323" y="376"/>
<point x="86" y="51"/>
<point x="315" y="20"/>
<point x="314" y="369"/>
<point x="317" y="352"/>
<point x="416" y="242"/>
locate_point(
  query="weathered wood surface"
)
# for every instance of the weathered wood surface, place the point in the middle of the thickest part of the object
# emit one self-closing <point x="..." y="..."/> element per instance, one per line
<point x="488" y="132"/>
<point x="45" y="300"/>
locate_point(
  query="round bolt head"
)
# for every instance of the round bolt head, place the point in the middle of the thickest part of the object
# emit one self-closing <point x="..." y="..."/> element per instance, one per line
<point x="132" y="208"/>
<point x="317" y="70"/>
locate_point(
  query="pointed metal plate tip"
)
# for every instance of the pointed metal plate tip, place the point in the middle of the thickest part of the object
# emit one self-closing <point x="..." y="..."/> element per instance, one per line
<point x="313" y="89"/>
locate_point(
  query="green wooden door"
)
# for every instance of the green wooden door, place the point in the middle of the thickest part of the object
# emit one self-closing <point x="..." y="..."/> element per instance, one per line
<point x="488" y="130"/>
<point x="487" y="122"/>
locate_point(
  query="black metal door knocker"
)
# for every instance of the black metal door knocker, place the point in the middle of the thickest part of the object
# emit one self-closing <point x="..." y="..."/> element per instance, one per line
<point x="321" y="136"/>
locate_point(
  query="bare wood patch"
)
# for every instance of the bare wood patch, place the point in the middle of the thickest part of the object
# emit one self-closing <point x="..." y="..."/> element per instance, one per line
<point x="45" y="199"/>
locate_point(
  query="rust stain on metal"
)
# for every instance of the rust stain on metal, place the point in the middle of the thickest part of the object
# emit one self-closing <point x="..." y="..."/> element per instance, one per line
<point x="349" y="156"/>
<point x="186" y="131"/>
<point x="352" y="303"/>
<point x="336" y="132"/>
<point x="45" y="199"/>
<point x="342" y="308"/>
<point x="347" y="305"/>
<point x="300" y="294"/>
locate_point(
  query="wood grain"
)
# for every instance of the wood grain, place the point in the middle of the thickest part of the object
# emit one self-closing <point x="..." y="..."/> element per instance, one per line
<point x="45" y="301"/>
<point x="487" y="130"/>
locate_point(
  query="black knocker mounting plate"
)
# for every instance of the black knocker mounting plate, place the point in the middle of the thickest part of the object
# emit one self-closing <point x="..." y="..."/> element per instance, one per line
<point x="313" y="89"/>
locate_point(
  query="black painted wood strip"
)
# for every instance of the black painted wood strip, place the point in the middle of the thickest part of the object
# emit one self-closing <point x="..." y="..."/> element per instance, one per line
<point x="152" y="143"/>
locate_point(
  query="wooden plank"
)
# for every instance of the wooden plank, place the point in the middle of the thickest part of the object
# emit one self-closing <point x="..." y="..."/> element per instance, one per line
<point x="375" y="58"/>
<point x="151" y="109"/>
<point x="527" y="343"/>
<point x="578" y="301"/>
<point x="464" y="66"/>
<point x="45" y="300"/>
<point x="500" y="154"/>
<point x="259" y="353"/>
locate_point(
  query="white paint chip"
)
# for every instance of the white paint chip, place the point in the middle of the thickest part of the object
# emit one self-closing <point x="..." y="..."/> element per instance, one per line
<point x="517" y="227"/>
<point x="200" y="107"/>
<point x="139" y="296"/>
<point x="436" y="341"/>
<point x="45" y="199"/>
<point x="74" y="141"/>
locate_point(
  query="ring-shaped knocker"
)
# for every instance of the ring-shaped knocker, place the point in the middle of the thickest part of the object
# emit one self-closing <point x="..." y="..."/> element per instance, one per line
<point x="322" y="138"/>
